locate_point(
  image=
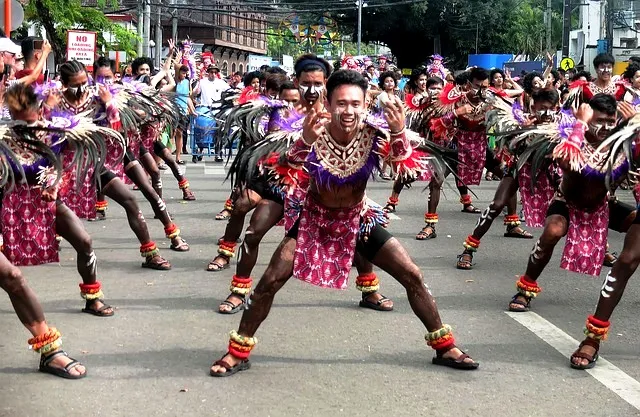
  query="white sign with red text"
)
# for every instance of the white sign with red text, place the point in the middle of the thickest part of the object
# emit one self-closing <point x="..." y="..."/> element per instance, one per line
<point x="81" y="46"/>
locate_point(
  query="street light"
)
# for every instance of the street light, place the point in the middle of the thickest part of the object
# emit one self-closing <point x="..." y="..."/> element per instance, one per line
<point x="360" y="4"/>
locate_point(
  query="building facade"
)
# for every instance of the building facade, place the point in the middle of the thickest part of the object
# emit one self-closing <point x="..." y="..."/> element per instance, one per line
<point x="586" y="42"/>
<point x="226" y="28"/>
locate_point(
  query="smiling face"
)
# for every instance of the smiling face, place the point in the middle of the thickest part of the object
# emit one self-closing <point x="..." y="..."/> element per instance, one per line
<point x="497" y="79"/>
<point x="346" y="107"/>
<point x="604" y="71"/>
<point x="600" y="126"/>
<point x="144" y="70"/>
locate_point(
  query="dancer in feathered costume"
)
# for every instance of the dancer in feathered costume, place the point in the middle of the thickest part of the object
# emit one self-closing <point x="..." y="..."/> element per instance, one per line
<point x="523" y="149"/>
<point x="423" y="92"/>
<point x="583" y="91"/>
<point x="32" y="214"/>
<point x="582" y="209"/>
<point x="623" y="143"/>
<point x="268" y="192"/>
<point x="25" y="152"/>
<point x="340" y="152"/>
<point x="125" y="110"/>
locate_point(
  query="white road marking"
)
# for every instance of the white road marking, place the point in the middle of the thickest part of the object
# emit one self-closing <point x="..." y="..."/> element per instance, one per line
<point x="391" y="215"/>
<point x="605" y="372"/>
<point x="217" y="170"/>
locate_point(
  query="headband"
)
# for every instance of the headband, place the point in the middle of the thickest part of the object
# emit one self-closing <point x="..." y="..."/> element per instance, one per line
<point x="300" y="67"/>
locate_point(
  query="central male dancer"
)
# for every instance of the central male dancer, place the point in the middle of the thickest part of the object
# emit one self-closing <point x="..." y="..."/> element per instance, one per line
<point x="341" y="152"/>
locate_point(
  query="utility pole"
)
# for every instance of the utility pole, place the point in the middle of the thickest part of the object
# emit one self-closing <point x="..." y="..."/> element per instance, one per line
<point x="359" y="24"/>
<point x="549" y="25"/>
<point x="174" y="22"/>
<point x="140" y="27"/>
<point x="477" y="36"/>
<point x="566" y="27"/>
<point x="609" y="25"/>
<point x="159" y="36"/>
<point x="147" y="29"/>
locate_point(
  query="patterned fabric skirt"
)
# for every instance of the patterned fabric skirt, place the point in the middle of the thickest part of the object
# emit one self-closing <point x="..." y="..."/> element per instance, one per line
<point x="472" y="154"/>
<point x="28" y="227"/>
<point x="80" y="199"/>
<point x="326" y="244"/>
<point x="535" y="202"/>
<point x="586" y="241"/>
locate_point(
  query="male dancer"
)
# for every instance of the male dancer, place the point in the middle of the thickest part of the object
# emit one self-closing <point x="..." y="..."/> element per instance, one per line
<point x="311" y="75"/>
<point x="598" y="324"/>
<point x="544" y="107"/>
<point x="341" y="152"/>
<point x="581" y="208"/>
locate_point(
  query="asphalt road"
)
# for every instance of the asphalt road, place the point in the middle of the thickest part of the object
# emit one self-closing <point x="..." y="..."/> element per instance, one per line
<point x="319" y="353"/>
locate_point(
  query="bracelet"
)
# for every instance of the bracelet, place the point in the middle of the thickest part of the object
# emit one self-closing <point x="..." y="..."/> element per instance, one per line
<point x="398" y="133"/>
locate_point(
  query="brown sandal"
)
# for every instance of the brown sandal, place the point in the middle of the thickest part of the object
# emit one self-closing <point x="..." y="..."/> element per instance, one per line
<point x="465" y="264"/>
<point x="423" y="235"/>
<point x="188" y="195"/>
<point x="183" y="246"/>
<point x="223" y="215"/>
<point x="217" y="266"/>
<point x="591" y="360"/>
<point x="471" y="209"/>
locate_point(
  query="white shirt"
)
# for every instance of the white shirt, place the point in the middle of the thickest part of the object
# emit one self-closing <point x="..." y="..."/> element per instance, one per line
<point x="211" y="91"/>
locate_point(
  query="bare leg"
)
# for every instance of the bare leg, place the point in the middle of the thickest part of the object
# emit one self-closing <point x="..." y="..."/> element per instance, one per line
<point x="615" y="284"/>
<point x="149" y="164"/>
<point x="71" y="229"/>
<point x="277" y="274"/>
<point x="264" y="218"/>
<point x="247" y="200"/>
<point x="394" y="259"/>
<point x="119" y="192"/>
<point x="555" y="228"/>
<point x="29" y="310"/>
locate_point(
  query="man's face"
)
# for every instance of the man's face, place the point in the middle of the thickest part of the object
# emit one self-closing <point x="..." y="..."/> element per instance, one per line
<point x="212" y="74"/>
<point x="290" y="96"/>
<point x="311" y="86"/>
<point x="604" y="71"/>
<point x="544" y="111"/>
<point x="477" y="89"/>
<point x="236" y="79"/>
<point x="9" y="58"/>
<point x="601" y="125"/>
<point x="435" y="89"/>
<point x="347" y="106"/>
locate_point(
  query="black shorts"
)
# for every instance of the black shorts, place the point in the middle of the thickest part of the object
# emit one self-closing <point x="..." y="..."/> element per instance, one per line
<point x="369" y="249"/>
<point x="105" y="178"/>
<point x="261" y="186"/>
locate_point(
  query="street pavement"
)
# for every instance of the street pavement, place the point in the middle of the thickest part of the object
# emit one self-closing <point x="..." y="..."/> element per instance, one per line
<point x="319" y="353"/>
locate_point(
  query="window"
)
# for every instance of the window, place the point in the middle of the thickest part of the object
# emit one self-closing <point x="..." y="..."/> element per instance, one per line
<point x="233" y="68"/>
<point x="225" y="68"/>
<point x="228" y="35"/>
<point x="241" y="68"/>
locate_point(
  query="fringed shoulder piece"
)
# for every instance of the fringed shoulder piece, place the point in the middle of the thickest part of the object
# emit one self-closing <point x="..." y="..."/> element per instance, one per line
<point x="622" y="143"/>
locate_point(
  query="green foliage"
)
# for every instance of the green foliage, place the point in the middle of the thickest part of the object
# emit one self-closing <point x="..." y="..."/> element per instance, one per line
<point x="59" y="16"/>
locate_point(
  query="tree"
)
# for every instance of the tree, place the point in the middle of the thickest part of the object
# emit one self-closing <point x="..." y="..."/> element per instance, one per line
<point x="59" y="16"/>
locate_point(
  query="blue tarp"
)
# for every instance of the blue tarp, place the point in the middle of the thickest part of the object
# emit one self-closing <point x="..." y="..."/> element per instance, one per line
<point x="489" y="61"/>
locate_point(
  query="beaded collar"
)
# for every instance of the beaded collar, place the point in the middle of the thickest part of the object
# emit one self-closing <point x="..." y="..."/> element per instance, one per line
<point x="335" y="165"/>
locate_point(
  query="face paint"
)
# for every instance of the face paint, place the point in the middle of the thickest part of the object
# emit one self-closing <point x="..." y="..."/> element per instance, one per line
<point x="311" y="94"/>
<point x="79" y="90"/>
<point x="604" y="71"/>
<point x="545" y="115"/>
<point x="348" y="118"/>
<point x="601" y="131"/>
